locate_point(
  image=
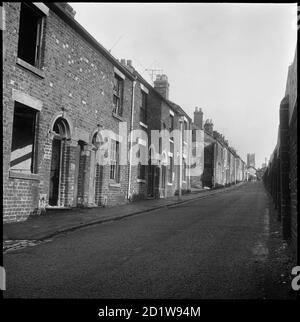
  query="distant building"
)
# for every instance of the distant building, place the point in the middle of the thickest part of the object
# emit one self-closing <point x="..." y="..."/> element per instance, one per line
<point x="251" y="173"/>
<point x="251" y="160"/>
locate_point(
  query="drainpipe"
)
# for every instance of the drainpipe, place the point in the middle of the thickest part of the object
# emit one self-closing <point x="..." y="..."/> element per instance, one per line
<point x="131" y="137"/>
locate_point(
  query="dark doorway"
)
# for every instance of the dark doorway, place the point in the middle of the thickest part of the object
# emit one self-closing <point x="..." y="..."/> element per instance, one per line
<point x="61" y="133"/>
<point x="55" y="172"/>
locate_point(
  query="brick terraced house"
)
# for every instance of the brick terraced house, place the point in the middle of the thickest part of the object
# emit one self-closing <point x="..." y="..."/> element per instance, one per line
<point x="60" y="87"/>
<point x="69" y="106"/>
<point x="222" y="165"/>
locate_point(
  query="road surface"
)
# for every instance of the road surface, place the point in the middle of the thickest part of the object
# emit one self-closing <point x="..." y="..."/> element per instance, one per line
<point x="221" y="247"/>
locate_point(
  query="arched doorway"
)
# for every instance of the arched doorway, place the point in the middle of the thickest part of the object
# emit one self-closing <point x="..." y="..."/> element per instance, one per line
<point x="61" y="132"/>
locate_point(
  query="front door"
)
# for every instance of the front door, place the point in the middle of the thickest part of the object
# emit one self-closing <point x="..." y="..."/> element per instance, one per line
<point x="55" y="172"/>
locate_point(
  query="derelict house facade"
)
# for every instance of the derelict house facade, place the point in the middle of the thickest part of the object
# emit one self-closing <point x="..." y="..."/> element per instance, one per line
<point x="60" y="88"/>
<point x="78" y="123"/>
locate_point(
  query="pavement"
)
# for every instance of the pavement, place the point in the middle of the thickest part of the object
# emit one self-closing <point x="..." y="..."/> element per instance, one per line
<point x="55" y="222"/>
<point x="225" y="246"/>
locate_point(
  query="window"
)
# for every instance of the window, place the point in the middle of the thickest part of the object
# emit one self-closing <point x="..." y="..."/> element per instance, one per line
<point x="22" y="158"/>
<point x="114" y="161"/>
<point x="160" y="145"/>
<point x="118" y="95"/>
<point x="143" y="109"/>
<point x="183" y="170"/>
<point x="170" y="174"/>
<point x="30" y="35"/>
<point x="141" y="171"/>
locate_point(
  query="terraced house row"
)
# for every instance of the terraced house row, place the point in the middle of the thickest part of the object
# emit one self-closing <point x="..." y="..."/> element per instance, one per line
<point x="61" y="91"/>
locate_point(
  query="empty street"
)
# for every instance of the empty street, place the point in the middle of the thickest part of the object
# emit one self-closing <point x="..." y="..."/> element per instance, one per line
<point x="219" y="247"/>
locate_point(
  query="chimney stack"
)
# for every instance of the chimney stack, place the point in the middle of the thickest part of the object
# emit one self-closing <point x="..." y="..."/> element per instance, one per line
<point x="198" y="118"/>
<point x="161" y="85"/>
<point x="209" y="127"/>
<point x="67" y="8"/>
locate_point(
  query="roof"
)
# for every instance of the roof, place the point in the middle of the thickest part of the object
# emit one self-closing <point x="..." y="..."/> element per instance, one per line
<point x="178" y="109"/>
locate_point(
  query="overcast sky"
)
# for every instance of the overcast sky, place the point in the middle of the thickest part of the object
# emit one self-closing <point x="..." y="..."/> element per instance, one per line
<point x="230" y="59"/>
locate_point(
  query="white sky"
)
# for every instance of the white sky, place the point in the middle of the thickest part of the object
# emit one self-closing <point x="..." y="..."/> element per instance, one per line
<point x="230" y="59"/>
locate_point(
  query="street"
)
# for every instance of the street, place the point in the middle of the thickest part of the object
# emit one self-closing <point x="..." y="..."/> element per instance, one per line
<point x="221" y="247"/>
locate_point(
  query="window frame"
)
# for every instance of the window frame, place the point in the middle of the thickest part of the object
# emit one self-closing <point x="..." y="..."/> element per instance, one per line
<point x="40" y="15"/>
<point x="143" y="107"/>
<point x="34" y="151"/>
<point x="118" y="94"/>
<point x="114" y="161"/>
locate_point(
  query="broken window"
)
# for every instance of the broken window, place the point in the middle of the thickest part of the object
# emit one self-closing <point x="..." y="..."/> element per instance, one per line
<point x="22" y="158"/>
<point x="114" y="161"/>
<point x="30" y="35"/>
<point x="118" y="95"/>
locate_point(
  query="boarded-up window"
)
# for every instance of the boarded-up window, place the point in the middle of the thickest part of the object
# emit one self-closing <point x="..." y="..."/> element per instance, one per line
<point x="23" y="139"/>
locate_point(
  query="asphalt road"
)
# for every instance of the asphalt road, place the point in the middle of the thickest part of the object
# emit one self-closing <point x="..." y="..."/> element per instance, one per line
<point x="214" y="248"/>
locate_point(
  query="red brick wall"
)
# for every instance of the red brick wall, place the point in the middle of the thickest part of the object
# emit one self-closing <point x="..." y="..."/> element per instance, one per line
<point x="79" y="81"/>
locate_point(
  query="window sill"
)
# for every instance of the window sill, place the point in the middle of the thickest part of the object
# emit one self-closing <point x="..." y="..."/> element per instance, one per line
<point x="117" y="116"/>
<point x="169" y="184"/>
<point x="143" y="125"/>
<point x="141" y="180"/>
<point x="115" y="185"/>
<point x="31" y="68"/>
<point x="25" y="176"/>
